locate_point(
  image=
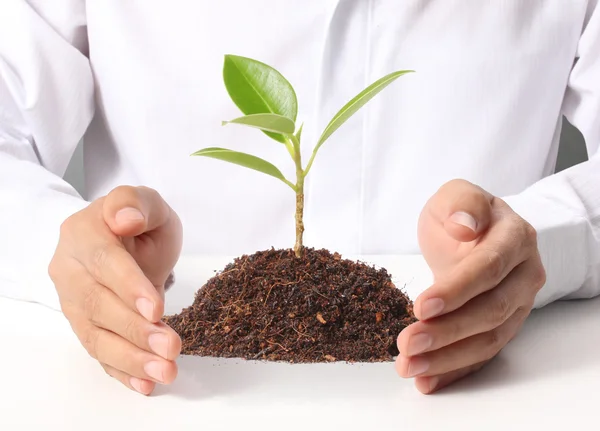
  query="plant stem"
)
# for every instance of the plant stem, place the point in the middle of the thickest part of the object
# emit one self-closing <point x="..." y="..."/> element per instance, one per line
<point x="289" y="183"/>
<point x="299" y="197"/>
<point x="310" y="161"/>
<point x="299" y="222"/>
<point x="290" y="149"/>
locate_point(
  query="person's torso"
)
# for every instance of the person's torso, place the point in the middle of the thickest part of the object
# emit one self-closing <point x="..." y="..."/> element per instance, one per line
<point x="483" y="105"/>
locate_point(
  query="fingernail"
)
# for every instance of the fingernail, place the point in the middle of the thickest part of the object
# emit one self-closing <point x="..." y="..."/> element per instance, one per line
<point x="433" y="382"/>
<point x="136" y="384"/>
<point x="128" y="215"/>
<point x="465" y="220"/>
<point x="145" y="307"/>
<point x="154" y="370"/>
<point x="431" y="308"/>
<point x="419" y="343"/>
<point x="417" y="366"/>
<point x="159" y="343"/>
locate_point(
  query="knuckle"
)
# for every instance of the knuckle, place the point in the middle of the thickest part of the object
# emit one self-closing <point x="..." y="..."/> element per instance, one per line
<point x="496" y="264"/>
<point x="528" y="236"/>
<point x="90" y="342"/>
<point x="53" y="269"/>
<point x="64" y="229"/>
<point x="91" y="305"/>
<point x="529" y="232"/>
<point x="71" y="223"/>
<point x="66" y="226"/>
<point x="539" y="276"/>
<point x="131" y="330"/>
<point x="493" y="343"/>
<point x="500" y="309"/>
<point x="67" y="229"/>
<point x="522" y="312"/>
<point x="100" y="261"/>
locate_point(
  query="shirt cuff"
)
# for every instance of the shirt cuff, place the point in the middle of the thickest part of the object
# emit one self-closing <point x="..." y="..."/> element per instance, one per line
<point x="33" y="240"/>
<point x="562" y="237"/>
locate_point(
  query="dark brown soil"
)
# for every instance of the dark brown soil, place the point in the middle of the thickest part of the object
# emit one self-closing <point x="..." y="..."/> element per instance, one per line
<point x="274" y="306"/>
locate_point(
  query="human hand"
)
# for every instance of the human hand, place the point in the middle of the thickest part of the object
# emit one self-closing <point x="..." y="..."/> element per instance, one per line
<point x="109" y="269"/>
<point x="487" y="272"/>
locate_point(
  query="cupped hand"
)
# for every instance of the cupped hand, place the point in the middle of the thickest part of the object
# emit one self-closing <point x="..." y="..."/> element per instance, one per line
<point x="110" y="268"/>
<point x="487" y="272"/>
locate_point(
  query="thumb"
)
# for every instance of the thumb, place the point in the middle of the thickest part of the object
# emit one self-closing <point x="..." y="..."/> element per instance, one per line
<point x="463" y="209"/>
<point x="131" y="211"/>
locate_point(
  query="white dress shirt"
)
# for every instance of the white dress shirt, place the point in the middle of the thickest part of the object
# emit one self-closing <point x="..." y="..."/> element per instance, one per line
<point x="141" y="82"/>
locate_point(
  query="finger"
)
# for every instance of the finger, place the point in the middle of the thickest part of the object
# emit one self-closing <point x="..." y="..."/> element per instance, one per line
<point x="112" y="266"/>
<point x="148" y="228"/>
<point x="110" y="349"/>
<point x="481" y="314"/>
<point x="462" y="208"/>
<point x="105" y="310"/>
<point x="429" y="385"/>
<point x="132" y="211"/>
<point x="480" y="347"/>
<point x="142" y="386"/>
<point x="88" y="273"/>
<point x="505" y="246"/>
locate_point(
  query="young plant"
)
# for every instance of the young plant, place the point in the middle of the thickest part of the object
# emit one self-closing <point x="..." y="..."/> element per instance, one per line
<point x="268" y="102"/>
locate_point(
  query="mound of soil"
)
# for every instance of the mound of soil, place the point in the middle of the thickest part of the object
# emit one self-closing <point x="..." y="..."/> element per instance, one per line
<point x="274" y="306"/>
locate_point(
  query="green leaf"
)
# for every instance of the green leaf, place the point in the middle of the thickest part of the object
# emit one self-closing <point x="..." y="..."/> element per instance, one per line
<point x="266" y="122"/>
<point x="358" y="102"/>
<point x="257" y="88"/>
<point x="245" y="160"/>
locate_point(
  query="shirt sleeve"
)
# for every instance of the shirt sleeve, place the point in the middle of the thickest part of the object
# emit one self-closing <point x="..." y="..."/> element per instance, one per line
<point x="565" y="207"/>
<point x="46" y="104"/>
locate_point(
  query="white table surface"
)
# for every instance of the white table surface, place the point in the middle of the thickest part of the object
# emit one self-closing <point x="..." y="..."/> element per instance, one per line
<point x="547" y="378"/>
